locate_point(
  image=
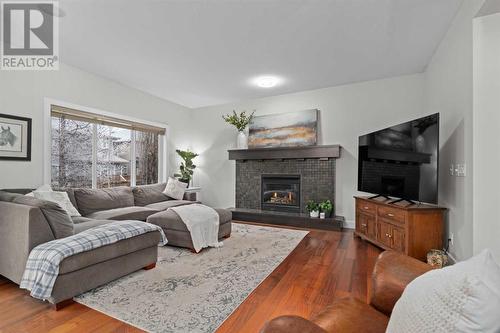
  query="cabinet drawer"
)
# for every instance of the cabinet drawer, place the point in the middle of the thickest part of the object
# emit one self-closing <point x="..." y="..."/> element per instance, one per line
<point x="366" y="207"/>
<point x="392" y="214"/>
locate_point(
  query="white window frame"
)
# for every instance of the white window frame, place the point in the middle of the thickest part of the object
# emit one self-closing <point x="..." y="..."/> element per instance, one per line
<point x="163" y="166"/>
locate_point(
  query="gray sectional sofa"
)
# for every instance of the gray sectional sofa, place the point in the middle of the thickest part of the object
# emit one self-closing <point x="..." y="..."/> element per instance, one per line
<point x="26" y="222"/>
<point x="144" y="203"/>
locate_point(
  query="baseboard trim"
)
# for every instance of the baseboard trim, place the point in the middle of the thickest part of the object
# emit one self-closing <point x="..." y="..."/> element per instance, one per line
<point x="349" y="224"/>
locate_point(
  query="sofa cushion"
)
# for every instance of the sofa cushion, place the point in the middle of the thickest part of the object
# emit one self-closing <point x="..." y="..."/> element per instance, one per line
<point x="85" y="225"/>
<point x="149" y="194"/>
<point x="80" y="219"/>
<point x="170" y="220"/>
<point x="108" y="252"/>
<point x="58" y="219"/>
<point x="93" y="200"/>
<point x="125" y="213"/>
<point x="22" y="191"/>
<point x="8" y="197"/>
<point x="164" y="205"/>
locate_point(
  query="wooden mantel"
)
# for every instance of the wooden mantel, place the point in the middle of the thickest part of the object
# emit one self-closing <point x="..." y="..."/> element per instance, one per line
<point x="284" y="153"/>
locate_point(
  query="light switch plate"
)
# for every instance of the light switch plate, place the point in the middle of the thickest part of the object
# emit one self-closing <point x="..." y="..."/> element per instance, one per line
<point x="460" y="170"/>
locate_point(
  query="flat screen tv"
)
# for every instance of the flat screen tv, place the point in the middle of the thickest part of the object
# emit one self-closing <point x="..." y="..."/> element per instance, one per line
<point x="401" y="161"/>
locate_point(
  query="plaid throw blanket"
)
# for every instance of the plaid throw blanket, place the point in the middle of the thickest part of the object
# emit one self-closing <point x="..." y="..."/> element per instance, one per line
<point x="42" y="267"/>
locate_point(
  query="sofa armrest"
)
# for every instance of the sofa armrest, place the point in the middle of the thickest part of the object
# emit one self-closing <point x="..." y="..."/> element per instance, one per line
<point x="392" y="273"/>
<point x="291" y="324"/>
<point x="22" y="228"/>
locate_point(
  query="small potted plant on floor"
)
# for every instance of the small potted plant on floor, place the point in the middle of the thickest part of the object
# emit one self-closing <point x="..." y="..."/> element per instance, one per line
<point x="313" y="208"/>
<point x="326" y="208"/>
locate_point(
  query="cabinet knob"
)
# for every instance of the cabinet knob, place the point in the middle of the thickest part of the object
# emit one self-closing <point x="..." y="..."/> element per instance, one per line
<point x="363" y="224"/>
<point x="366" y="207"/>
<point x="390" y="214"/>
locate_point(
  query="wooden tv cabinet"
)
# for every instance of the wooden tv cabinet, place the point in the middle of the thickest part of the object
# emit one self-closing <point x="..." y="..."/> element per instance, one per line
<point x="412" y="229"/>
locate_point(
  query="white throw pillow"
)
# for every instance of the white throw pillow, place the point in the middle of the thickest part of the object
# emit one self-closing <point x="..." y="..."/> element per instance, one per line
<point x="60" y="198"/>
<point x="175" y="189"/>
<point x="43" y="188"/>
<point x="464" y="297"/>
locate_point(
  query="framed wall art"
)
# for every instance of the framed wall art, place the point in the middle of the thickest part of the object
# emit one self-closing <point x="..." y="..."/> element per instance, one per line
<point x="15" y="138"/>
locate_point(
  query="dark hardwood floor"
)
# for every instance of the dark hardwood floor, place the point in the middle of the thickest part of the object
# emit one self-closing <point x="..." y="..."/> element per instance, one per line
<point x="324" y="266"/>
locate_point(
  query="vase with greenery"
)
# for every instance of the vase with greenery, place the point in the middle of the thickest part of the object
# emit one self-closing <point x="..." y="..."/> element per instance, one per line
<point x="326" y="207"/>
<point x="240" y="121"/>
<point x="187" y="167"/>
<point x="313" y="208"/>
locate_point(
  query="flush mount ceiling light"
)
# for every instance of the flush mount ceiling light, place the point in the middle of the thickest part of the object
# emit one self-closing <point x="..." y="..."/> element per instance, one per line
<point x="266" y="81"/>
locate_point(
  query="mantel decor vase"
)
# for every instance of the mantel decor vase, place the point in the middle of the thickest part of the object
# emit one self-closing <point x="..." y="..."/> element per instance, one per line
<point x="242" y="140"/>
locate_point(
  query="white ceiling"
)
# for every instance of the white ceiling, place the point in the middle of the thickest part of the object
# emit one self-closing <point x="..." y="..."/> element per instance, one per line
<point x="205" y="52"/>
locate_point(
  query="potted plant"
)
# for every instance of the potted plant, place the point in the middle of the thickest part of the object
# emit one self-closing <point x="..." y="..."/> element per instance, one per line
<point x="326" y="208"/>
<point x="313" y="208"/>
<point x="186" y="168"/>
<point x="240" y="121"/>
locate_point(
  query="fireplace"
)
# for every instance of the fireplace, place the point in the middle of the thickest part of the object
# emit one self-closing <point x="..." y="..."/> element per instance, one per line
<point x="280" y="192"/>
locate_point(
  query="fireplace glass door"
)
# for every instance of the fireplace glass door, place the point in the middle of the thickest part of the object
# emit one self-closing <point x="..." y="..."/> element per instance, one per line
<point x="281" y="193"/>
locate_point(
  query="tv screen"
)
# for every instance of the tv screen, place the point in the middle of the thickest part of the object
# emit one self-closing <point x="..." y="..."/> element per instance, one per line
<point x="401" y="161"/>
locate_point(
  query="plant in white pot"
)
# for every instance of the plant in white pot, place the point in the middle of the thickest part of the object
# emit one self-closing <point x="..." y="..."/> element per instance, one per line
<point x="313" y="208"/>
<point x="326" y="208"/>
<point x="240" y="121"/>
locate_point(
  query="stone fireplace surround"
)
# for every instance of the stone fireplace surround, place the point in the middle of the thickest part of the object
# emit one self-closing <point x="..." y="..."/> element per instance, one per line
<point x="314" y="165"/>
<point x="317" y="179"/>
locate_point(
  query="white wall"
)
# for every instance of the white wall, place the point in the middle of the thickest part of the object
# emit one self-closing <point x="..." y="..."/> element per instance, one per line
<point x="345" y="113"/>
<point x="448" y="90"/>
<point x="486" y="130"/>
<point x="22" y="94"/>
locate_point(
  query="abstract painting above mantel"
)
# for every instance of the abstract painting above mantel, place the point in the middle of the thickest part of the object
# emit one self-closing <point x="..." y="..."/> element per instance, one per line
<point x="284" y="130"/>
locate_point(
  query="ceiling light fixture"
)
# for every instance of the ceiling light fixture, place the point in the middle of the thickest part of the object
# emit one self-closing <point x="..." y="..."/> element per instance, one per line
<point x="267" y="81"/>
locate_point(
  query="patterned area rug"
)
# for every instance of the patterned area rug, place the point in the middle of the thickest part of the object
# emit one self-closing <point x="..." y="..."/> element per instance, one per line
<point x="189" y="292"/>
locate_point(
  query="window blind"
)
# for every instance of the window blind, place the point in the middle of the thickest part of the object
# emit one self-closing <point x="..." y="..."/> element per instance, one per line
<point x="67" y="113"/>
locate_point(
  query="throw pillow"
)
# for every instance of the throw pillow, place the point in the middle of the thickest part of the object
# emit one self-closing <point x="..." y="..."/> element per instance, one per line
<point x="464" y="297"/>
<point x="61" y="198"/>
<point x="44" y="188"/>
<point x="175" y="189"/>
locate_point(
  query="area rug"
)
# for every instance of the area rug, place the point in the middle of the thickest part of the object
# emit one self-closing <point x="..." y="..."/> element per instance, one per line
<point x="189" y="292"/>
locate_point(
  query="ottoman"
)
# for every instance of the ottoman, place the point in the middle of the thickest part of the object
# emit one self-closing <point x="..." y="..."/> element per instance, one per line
<point x="177" y="232"/>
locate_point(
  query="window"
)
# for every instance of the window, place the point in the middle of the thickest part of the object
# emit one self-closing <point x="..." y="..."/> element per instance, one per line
<point x="146" y="157"/>
<point x="71" y="153"/>
<point x="90" y="150"/>
<point x="113" y="156"/>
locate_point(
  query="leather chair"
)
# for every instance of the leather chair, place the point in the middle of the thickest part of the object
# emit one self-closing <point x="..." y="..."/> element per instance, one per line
<point x="392" y="272"/>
